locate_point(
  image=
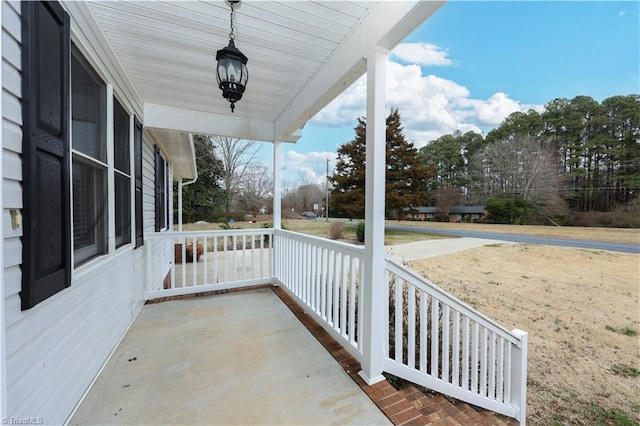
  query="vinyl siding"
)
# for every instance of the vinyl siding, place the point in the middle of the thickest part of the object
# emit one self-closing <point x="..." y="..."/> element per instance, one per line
<point x="54" y="350"/>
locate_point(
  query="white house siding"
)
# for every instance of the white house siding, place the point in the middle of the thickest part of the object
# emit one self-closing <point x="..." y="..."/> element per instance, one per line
<point x="55" y="349"/>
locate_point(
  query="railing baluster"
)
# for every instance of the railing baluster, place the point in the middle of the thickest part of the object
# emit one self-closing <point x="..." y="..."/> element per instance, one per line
<point x="491" y="393"/>
<point x="359" y="327"/>
<point x="474" y="358"/>
<point x="224" y="259"/>
<point x="435" y="325"/>
<point x="445" y="342"/>
<point x="500" y="372"/>
<point x="323" y="285"/>
<point x="424" y="330"/>
<point x="483" y="362"/>
<point x="244" y="257"/>
<point x="317" y="280"/>
<point x="352" y="301"/>
<point x="253" y="257"/>
<point x="465" y="352"/>
<point x="336" y="291"/>
<point x="194" y="263"/>
<point x="411" y="323"/>
<point x="398" y="318"/>
<point x="260" y="255"/>
<point x="215" y="260"/>
<point x="183" y="262"/>
<point x="205" y="258"/>
<point x="343" y="296"/>
<point x="173" y="270"/>
<point x="455" y="373"/>
<point x="234" y="256"/>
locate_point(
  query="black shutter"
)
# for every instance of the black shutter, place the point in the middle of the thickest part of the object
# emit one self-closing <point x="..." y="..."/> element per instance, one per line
<point x="159" y="178"/>
<point x="46" y="240"/>
<point x="137" y="152"/>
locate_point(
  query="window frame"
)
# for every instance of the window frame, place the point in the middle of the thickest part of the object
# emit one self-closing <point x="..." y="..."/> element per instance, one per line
<point x="138" y="182"/>
<point x="124" y="237"/>
<point x="101" y="225"/>
<point x="161" y="179"/>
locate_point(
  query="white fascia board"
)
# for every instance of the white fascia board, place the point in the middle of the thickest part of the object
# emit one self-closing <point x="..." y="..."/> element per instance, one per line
<point x="200" y="122"/>
<point x="387" y="24"/>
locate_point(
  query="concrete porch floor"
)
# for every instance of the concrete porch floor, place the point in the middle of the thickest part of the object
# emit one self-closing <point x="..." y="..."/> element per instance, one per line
<point x="234" y="358"/>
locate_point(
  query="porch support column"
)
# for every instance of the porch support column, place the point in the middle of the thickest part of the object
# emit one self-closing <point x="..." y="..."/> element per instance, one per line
<point x="277" y="184"/>
<point x="372" y="285"/>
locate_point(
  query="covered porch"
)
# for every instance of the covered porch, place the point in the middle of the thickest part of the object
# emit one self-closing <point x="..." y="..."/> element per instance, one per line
<point x="383" y="315"/>
<point x="426" y="336"/>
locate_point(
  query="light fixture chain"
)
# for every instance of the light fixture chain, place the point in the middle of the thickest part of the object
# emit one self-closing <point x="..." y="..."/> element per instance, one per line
<point x="231" y="34"/>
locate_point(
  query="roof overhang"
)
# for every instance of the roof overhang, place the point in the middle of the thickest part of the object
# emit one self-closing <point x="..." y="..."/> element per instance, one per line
<point x="302" y="54"/>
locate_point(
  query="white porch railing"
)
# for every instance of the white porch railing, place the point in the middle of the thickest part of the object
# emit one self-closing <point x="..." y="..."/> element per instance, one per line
<point x="324" y="276"/>
<point x="434" y="339"/>
<point x="439" y="342"/>
<point x="203" y="261"/>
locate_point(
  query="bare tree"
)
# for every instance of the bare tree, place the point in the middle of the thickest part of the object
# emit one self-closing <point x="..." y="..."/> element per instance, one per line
<point x="303" y="197"/>
<point x="237" y="156"/>
<point x="521" y="168"/>
<point x="446" y="198"/>
<point x="256" y="188"/>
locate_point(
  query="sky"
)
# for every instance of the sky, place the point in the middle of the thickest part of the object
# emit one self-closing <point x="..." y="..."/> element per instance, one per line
<point x="473" y="63"/>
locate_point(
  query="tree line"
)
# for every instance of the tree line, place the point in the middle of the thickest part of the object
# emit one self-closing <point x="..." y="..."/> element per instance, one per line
<point x="577" y="155"/>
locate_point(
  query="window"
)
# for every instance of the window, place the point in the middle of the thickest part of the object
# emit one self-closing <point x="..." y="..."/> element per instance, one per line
<point x="67" y="181"/>
<point x="88" y="129"/>
<point x="137" y="153"/>
<point x="122" y="175"/>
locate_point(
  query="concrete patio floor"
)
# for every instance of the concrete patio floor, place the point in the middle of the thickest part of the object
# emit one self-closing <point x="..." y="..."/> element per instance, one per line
<point x="235" y="358"/>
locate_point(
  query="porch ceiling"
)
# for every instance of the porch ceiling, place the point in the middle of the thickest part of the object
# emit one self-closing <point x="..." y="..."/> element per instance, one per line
<point x="302" y="54"/>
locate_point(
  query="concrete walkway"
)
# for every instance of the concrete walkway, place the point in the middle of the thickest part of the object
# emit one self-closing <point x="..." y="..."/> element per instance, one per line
<point x="433" y="248"/>
<point x="236" y="358"/>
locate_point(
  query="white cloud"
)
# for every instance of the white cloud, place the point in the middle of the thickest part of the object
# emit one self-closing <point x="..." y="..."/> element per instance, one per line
<point x="310" y="167"/>
<point x="430" y="106"/>
<point x="425" y="54"/>
<point x="622" y="13"/>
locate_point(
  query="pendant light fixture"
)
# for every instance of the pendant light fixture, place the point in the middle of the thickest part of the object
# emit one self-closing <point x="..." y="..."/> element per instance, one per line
<point x="231" y="72"/>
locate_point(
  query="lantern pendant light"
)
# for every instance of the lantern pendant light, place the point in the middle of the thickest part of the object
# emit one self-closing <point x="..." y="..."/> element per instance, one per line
<point x="231" y="72"/>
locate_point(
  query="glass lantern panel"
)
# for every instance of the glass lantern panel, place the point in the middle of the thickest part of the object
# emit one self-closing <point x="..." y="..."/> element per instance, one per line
<point x="221" y="73"/>
<point x="234" y="70"/>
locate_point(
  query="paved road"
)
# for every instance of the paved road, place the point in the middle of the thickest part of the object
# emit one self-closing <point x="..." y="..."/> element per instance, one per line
<point x="528" y="239"/>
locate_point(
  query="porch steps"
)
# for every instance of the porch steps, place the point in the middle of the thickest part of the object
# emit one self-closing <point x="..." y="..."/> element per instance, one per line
<point x="408" y="406"/>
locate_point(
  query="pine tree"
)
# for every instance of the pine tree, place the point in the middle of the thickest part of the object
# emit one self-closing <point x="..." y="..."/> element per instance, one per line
<point x="203" y="199"/>
<point x="406" y="177"/>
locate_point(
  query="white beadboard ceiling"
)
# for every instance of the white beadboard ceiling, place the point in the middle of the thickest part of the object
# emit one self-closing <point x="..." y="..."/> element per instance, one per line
<point x="302" y="54"/>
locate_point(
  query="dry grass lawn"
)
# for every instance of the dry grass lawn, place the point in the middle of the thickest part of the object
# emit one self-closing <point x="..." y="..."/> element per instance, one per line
<point x="581" y="309"/>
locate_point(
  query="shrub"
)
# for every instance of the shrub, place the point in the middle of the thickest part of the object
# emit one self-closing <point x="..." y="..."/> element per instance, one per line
<point x="360" y="232"/>
<point x="336" y="231"/>
<point x="267" y="225"/>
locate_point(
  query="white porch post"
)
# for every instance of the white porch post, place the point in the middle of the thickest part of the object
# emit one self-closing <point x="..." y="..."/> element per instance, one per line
<point x="519" y="376"/>
<point x="373" y="307"/>
<point x="277" y="184"/>
<point x="277" y="205"/>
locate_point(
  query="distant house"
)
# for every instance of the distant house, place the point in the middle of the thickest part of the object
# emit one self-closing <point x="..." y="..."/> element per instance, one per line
<point x="456" y="213"/>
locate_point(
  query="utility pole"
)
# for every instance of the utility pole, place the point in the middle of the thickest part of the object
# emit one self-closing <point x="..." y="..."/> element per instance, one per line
<point x="326" y="201"/>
